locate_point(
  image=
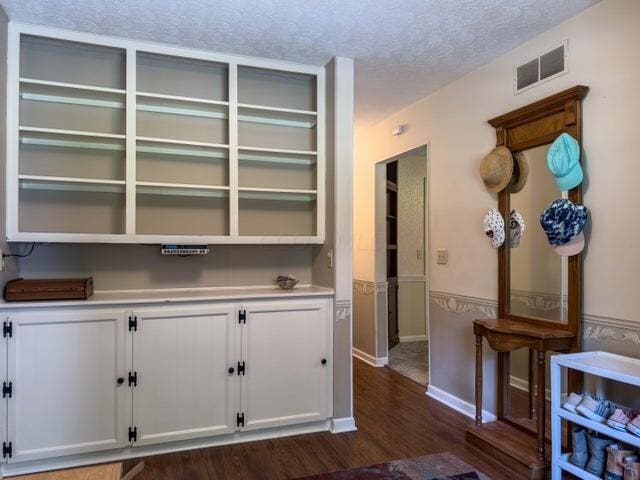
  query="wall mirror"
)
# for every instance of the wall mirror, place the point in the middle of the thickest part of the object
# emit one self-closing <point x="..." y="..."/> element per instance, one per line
<point x="538" y="283"/>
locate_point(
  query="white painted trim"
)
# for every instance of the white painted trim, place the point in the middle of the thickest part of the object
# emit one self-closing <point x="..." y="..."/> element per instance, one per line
<point x="370" y="359"/>
<point x="342" y="425"/>
<point x="458" y="404"/>
<point x="412" y="279"/>
<point x="145" y="451"/>
<point x="132" y="49"/>
<point x="413" y="338"/>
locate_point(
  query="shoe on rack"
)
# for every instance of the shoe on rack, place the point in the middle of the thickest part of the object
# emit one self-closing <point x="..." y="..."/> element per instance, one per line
<point x="580" y="454"/>
<point x="616" y="455"/>
<point x="595" y="409"/>
<point x="631" y="468"/>
<point x="572" y="401"/>
<point x="620" y="419"/>
<point x="634" y="426"/>
<point x="598" y="455"/>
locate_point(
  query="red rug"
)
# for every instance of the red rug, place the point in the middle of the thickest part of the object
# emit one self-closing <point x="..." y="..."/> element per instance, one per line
<point x="441" y="466"/>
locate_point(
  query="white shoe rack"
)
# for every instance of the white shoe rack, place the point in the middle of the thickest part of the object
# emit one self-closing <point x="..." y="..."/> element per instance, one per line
<point x="603" y="366"/>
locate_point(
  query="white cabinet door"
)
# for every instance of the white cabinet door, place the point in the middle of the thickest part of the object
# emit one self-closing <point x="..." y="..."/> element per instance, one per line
<point x="64" y="369"/>
<point x="283" y="347"/>
<point x="182" y="359"/>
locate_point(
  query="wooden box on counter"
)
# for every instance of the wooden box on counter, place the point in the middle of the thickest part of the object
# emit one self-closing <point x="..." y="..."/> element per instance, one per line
<point x="48" y="289"/>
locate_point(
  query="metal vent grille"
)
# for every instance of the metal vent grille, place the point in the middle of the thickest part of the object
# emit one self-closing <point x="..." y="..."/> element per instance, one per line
<point x="545" y="67"/>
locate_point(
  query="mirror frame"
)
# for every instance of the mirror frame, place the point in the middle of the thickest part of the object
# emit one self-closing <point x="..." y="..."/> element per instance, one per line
<point x="534" y="125"/>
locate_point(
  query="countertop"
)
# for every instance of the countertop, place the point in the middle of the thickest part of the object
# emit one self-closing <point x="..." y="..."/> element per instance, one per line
<point x="167" y="296"/>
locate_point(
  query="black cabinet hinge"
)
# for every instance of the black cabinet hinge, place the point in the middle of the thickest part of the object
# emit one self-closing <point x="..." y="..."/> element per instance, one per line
<point x="133" y="323"/>
<point x="133" y="379"/>
<point x="7" y="389"/>
<point x="242" y="316"/>
<point x="7" y="329"/>
<point x="241" y="368"/>
<point x="133" y="434"/>
<point x="7" y="449"/>
<point x="239" y="419"/>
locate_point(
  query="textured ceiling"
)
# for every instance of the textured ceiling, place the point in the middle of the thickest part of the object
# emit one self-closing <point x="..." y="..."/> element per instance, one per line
<point x="404" y="49"/>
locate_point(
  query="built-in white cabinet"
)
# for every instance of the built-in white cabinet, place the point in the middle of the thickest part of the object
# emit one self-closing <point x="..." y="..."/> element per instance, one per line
<point x="115" y="141"/>
<point x="285" y="346"/>
<point x="81" y="381"/>
<point x="183" y="373"/>
<point x="63" y="370"/>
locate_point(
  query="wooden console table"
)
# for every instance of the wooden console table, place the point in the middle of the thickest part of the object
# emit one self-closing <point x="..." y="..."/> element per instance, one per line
<point x="504" y="336"/>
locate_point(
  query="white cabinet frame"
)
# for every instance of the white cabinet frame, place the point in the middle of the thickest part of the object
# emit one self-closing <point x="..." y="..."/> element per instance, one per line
<point x="132" y="48"/>
<point x="324" y="308"/>
<point x="143" y="405"/>
<point x="122" y="404"/>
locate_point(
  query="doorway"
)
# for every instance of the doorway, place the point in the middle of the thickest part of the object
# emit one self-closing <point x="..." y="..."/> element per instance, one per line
<point x="401" y="246"/>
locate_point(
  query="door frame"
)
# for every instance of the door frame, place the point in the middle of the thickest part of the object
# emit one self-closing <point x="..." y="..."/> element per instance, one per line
<point x="380" y="257"/>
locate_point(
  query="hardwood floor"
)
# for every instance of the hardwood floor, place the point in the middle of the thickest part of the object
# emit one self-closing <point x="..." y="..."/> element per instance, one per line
<point x="395" y="420"/>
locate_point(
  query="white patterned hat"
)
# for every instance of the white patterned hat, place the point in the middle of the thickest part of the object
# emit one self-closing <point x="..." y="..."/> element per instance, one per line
<point x="516" y="228"/>
<point x="493" y="225"/>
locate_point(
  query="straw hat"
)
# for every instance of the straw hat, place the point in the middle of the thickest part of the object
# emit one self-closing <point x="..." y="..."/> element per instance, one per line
<point x="496" y="169"/>
<point x="520" y="172"/>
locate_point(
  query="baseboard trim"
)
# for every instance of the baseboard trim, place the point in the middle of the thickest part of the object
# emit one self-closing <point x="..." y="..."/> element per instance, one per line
<point x="342" y="425"/>
<point x="129" y="452"/>
<point x="413" y="338"/>
<point x="522" y="384"/>
<point x="458" y="404"/>
<point x="370" y="359"/>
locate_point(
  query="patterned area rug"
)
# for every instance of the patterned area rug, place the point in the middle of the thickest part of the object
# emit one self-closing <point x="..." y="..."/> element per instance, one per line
<point x="441" y="466"/>
<point x="411" y="360"/>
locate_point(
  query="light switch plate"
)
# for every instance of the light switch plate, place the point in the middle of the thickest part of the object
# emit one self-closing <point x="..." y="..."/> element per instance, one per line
<point x="442" y="256"/>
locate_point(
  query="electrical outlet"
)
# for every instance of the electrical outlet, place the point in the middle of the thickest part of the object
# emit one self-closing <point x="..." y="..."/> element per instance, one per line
<point x="442" y="256"/>
<point x="330" y="259"/>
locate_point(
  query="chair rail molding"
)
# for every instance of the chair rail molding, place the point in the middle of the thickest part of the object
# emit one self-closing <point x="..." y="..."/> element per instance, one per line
<point x="595" y="327"/>
<point x="454" y="303"/>
<point x="364" y="287"/>
<point x="606" y="328"/>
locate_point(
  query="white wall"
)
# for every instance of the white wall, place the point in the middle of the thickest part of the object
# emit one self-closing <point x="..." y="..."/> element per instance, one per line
<point x="603" y="42"/>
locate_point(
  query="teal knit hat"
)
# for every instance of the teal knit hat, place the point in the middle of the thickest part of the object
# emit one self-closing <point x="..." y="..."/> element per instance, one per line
<point x="563" y="160"/>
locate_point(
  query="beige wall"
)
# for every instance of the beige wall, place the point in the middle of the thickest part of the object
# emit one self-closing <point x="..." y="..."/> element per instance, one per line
<point x="603" y="43"/>
<point x="602" y="55"/>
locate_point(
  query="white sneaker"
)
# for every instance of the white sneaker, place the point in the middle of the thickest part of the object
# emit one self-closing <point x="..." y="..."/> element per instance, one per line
<point x="572" y="401"/>
<point x="595" y="409"/>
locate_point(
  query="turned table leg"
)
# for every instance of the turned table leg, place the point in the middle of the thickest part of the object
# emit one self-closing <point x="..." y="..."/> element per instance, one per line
<point x="541" y="403"/>
<point x="532" y="407"/>
<point x="478" y="380"/>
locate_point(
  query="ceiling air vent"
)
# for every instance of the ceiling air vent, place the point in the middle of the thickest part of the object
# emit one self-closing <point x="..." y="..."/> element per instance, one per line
<point x="541" y="69"/>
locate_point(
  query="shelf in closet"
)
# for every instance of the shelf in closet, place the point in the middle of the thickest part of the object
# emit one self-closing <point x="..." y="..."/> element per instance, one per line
<point x="70" y="184"/>
<point x="181" y="189"/>
<point x="285" y="117"/>
<point x="71" y="93"/>
<point x="277" y="194"/>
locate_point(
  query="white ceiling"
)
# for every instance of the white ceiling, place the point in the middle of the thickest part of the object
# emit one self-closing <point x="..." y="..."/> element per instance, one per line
<point x="404" y="49"/>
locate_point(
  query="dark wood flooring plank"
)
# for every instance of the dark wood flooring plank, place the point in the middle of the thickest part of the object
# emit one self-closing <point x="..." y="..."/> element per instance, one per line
<point x="395" y="420"/>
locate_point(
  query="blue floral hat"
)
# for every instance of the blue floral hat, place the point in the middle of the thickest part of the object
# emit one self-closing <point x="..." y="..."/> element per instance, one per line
<point x="563" y="220"/>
